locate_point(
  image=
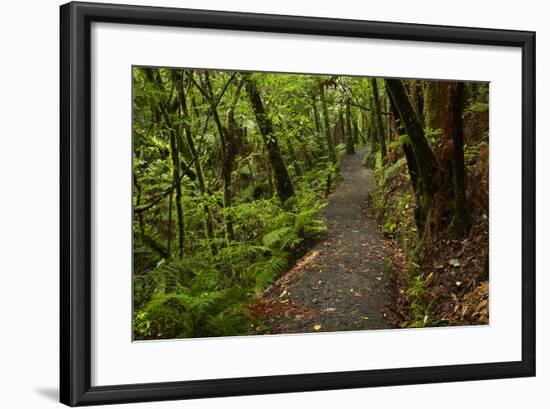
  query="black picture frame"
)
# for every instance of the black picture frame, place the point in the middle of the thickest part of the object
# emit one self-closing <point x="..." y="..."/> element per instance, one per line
<point x="75" y="203"/>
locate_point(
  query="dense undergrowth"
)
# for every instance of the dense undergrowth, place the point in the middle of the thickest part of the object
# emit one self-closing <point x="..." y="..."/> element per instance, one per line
<point x="207" y="294"/>
<point x="440" y="280"/>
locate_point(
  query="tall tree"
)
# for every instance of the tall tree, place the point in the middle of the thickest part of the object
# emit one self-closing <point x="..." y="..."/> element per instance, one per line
<point x="175" y="137"/>
<point x="461" y="220"/>
<point x="283" y="184"/>
<point x="174" y="153"/>
<point x="378" y="117"/>
<point x="350" y="149"/>
<point x="412" y="166"/>
<point x="227" y="148"/>
<point x="232" y="149"/>
<point x="425" y="158"/>
<point x="417" y="98"/>
<point x="431" y="106"/>
<point x="182" y="99"/>
<point x="326" y="121"/>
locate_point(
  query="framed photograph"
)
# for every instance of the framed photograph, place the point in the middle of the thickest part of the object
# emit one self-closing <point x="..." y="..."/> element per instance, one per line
<point x="259" y="204"/>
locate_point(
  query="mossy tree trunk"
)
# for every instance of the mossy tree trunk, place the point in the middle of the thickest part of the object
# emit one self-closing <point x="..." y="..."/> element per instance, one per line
<point x="318" y="126"/>
<point x="350" y="149"/>
<point x="228" y="148"/>
<point x="232" y="150"/>
<point x="326" y="121"/>
<point x="412" y="166"/>
<point x="182" y="99"/>
<point x="283" y="184"/>
<point x="431" y="110"/>
<point x="174" y="153"/>
<point x="378" y="118"/>
<point x="175" y="148"/>
<point x="364" y="127"/>
<point x="426" y="161"/>
<point x="417" y="98"/>
<point x="371" y="137"/>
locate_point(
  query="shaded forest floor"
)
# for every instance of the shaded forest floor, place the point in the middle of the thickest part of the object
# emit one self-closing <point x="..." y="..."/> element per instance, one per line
<point x="343" y="282"/>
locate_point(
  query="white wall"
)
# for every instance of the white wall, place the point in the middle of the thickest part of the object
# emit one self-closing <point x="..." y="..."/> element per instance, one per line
<point x="29" y="203"/>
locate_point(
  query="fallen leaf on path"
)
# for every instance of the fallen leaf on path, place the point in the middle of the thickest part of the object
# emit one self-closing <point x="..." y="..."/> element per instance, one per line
<point x="365" y="317"/>
<point x="317" y="327"/>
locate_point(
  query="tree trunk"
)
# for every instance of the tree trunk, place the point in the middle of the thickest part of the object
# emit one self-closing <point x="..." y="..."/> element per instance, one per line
<point x="176" y="181"/>
<point x="411" y="164"/>
<point x="228" y="150"/>
<point x="425" y="158"/>
<point x="371" y="137"/>
<point x="318" y="126"/>
<point x="364" y="127"/>
<point x="461" y="220"/>
<point x="138" y="203"/>
<point x="232" y="148"/>
<point x="175" y="156"/>
<point x="170" y="205"/>
<point x="350" y="149"/>
<point x="328" y="136"/>
<point x="389" y="124"/>
<point x="378" y="118"/>
<point x="316" y="115"/>
<point x="209" y="224"/>
<point x="340" y="130"/>
<point x="283" y="184"/>
<point x="356" y="132"/>
<point x="431" y="110"/>
<point x="417" y="100"/>
<point x="305" y="151"/>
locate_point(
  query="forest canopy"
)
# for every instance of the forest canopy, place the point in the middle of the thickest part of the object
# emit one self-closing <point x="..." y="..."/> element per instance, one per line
<point x="239" y="181"/>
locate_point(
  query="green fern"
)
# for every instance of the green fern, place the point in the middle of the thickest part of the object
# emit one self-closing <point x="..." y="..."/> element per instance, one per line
<point x="265" y="272"/>
<point x="273" y="238"/>
<point x="183" y="314"/>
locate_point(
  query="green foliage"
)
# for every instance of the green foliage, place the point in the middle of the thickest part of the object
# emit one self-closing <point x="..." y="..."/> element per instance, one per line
<point x="182" y="314"/>
<point x="266" y="270"/>
<point x="478" y="106"/>
<point x="471" y="152"/>
<point x="401" y="140"/>
<point x="340" y="149"/>
<point x="205" y="294"/>
<point x="392" y="169"/>
<point x="421" y="307"/>
<point x="434" y="135"/>
<point x="389" y="228"/>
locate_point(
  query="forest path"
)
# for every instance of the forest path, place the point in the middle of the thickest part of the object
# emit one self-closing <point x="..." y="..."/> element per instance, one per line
<point x="343" y="281"/>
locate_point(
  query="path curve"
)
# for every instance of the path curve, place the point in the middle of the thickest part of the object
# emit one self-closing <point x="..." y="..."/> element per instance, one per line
<point x="342" y="283"/>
